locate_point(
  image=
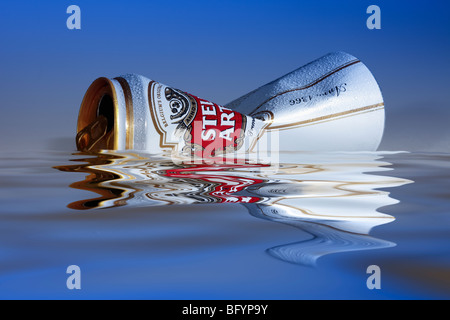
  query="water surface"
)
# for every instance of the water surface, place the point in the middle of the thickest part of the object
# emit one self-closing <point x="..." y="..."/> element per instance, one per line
<point x="139" y="226"/>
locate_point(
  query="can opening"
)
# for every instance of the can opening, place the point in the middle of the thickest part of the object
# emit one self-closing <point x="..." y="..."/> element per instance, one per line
<point x="106" y="109"/>
<point x="97" y="117"/>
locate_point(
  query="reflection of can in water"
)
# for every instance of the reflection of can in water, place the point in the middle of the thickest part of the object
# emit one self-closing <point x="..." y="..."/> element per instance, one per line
<point x="333" y="103"/>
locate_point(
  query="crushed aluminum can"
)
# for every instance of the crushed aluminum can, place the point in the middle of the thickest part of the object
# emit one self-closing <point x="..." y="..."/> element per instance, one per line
<point x="330" y="104"/>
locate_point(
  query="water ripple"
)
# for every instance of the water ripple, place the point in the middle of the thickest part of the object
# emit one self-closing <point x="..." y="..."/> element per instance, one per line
<point x="334" y="197"/>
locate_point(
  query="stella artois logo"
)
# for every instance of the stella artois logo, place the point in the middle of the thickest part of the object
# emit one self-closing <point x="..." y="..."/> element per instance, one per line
<point x="198" y="126"/>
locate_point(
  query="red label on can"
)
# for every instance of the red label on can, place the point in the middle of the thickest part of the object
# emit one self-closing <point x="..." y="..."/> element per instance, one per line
<point x="215" y="129"/>
<point x="193" y="125"/>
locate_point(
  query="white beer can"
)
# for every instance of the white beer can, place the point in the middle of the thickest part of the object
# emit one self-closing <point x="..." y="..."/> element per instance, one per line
<point x="331" y="104"/>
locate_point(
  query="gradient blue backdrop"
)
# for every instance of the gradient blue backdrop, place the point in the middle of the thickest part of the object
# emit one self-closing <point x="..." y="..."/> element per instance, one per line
<point x="217" y="50"/>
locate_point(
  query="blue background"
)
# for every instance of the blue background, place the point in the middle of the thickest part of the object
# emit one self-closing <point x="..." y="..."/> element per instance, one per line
<point x="218" y="50"/>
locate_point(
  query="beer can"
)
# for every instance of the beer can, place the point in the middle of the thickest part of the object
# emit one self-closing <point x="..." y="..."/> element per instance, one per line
<point x="331" y="104"/>
<point x="132" y="112"/>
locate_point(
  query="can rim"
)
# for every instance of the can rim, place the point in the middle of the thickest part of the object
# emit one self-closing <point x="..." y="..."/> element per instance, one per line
<point x="89" y="109"/>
